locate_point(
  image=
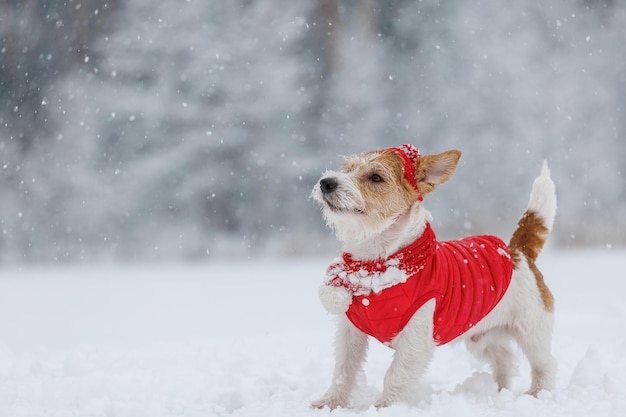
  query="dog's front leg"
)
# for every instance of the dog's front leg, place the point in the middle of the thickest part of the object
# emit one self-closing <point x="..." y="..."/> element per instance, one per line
<point x="414" y="349"/>
<point x="350" y="351"/>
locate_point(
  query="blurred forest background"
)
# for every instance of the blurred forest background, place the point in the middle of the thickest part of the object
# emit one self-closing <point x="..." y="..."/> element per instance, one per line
<point x="137" y="129"/>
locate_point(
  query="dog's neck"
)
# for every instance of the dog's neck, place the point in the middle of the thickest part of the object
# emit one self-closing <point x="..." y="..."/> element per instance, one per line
<point x="399" y="233"/>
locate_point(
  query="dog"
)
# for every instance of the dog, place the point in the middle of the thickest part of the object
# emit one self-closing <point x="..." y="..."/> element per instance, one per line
<point x="397" y="283"/>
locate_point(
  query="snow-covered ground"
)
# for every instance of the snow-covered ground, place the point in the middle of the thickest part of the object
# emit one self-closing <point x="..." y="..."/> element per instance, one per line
<point x="249" y="338"/>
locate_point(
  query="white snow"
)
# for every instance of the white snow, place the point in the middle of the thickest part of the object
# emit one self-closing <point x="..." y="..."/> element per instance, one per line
<point x="251" y="339"/>
<point x="364" y="281"/>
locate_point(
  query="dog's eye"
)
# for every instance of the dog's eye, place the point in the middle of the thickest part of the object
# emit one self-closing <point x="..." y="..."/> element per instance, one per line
<point x="376" y="178"/>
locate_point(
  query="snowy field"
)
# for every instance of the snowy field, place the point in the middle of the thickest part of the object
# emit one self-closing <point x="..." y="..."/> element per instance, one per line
<point x="249" y="338"/>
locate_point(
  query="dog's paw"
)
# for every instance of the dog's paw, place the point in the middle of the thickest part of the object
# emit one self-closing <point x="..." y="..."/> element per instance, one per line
<point x="332" y="402"/>
<point x="335" y="300"/>
<point x="387" y="399"/>
<point x="381" y="404"/>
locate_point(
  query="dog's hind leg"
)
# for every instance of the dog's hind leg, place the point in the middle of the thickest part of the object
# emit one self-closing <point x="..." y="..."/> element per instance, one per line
<point x="414" y="350"/>
<point x="350" y="352"/>
<point x="495" y="347"/>
<point x="535" y="342"/>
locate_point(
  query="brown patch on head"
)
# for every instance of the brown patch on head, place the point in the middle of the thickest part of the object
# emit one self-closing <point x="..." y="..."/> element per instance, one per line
<point x="433" y="170"/>
<point x="379" y="176"/>
<point x="527" y="241"/>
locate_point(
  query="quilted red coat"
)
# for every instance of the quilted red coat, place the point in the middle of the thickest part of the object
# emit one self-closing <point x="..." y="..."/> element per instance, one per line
<point x="466" y="277"/>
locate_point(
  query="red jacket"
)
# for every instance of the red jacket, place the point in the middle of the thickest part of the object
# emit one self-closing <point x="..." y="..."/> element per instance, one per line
<point x="466" y="277"/>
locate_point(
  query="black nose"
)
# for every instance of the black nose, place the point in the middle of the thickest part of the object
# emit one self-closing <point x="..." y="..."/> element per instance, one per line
<point x="328" y="185"/>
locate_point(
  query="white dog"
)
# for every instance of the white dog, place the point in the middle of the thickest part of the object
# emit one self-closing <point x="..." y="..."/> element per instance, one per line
<point x="397" y="283"/>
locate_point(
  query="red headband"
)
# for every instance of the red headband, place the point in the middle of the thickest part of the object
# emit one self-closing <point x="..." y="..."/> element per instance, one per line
<point x="409" y="154"/>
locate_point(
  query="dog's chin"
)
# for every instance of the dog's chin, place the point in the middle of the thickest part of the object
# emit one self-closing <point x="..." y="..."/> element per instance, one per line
<point x="336" y="209"/>
<point x="352" y="224"/>
<point x="339" y="217"/>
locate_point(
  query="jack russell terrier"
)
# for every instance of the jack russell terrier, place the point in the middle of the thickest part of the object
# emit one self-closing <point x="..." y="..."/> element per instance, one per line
<point x="397" y="283"/>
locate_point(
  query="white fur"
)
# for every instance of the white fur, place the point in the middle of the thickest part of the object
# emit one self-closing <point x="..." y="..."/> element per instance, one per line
<point x="520" y="316"/>
<point x="542" y="197"/>
<point x="398" y="234"/>
<point x="414" y="350"/>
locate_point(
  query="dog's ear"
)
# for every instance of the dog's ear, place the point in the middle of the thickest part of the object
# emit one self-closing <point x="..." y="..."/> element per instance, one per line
<point x="432" y="170"/>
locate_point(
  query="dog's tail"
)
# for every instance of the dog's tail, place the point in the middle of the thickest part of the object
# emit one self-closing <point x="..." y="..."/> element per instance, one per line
<point x="536" y="223"/>
<point x="534" y="227"/>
